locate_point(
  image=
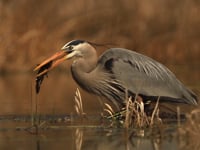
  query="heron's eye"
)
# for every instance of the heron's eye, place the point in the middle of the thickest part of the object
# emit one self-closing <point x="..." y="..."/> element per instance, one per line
<point x="70" y="47"/>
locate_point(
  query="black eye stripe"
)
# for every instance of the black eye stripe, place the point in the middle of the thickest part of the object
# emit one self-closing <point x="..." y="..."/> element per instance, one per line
<point x="75" y="42"/>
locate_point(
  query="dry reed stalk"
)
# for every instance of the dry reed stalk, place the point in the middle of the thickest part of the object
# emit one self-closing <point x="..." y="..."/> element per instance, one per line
<point x="154" y="112"/>
<point x="135" y="115"/>
<point x="178" y="117"/>
<point x="109" y="109"/>
<point x="78" y="103"/>
<point x="129" y="113"/>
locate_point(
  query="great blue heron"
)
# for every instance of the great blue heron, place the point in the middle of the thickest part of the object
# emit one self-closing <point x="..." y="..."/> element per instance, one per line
<point x="119" y="72"/>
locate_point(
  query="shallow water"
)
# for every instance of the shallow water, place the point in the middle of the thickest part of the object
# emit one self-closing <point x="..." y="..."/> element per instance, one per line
<point x="18" y="133"/>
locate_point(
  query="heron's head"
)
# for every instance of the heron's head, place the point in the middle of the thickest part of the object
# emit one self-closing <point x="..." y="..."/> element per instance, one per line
<point x="73" y="49"/>
<point x="77" y="48"/>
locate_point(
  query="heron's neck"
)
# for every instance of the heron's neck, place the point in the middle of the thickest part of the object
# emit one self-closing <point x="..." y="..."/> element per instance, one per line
<point x="84" y="65"/>
<point x="83" y="70"/>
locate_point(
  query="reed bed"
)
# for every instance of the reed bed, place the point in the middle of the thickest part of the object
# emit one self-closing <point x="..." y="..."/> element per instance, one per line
<point x="133" y="115"/>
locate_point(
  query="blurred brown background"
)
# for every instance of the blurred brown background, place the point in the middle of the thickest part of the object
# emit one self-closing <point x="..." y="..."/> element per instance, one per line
<point x="32" y="30"/>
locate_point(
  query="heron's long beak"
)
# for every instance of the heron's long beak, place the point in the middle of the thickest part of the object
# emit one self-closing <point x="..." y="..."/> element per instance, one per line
<point x="51" y="63"/>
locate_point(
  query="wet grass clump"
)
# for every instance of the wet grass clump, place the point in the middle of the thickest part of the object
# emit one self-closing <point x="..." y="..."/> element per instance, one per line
<point x="134" y="115"/>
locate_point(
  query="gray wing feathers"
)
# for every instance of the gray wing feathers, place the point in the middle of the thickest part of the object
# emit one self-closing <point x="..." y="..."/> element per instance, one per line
<point x="141" y="74"/>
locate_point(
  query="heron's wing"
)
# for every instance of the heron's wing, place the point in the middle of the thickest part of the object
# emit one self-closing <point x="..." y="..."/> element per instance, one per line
<point x="143" y="75"/>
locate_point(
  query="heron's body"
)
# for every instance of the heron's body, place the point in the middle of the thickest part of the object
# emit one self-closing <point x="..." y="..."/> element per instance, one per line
<point x="138" y="74"/>
<point x="119" y="71"/>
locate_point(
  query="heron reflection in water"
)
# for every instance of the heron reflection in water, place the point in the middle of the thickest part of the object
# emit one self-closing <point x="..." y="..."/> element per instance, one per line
<point x="119" y="72"/>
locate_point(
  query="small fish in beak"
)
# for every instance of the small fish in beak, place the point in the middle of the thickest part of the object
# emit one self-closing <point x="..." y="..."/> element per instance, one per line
<point x="46" y="66"/>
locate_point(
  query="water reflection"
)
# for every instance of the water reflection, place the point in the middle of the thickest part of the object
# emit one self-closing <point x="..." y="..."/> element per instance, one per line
<point x="107" y="139"/>
<point x="78" y="138"/>
<point x="89" y="135"/>
<point x="120" y="139"/>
